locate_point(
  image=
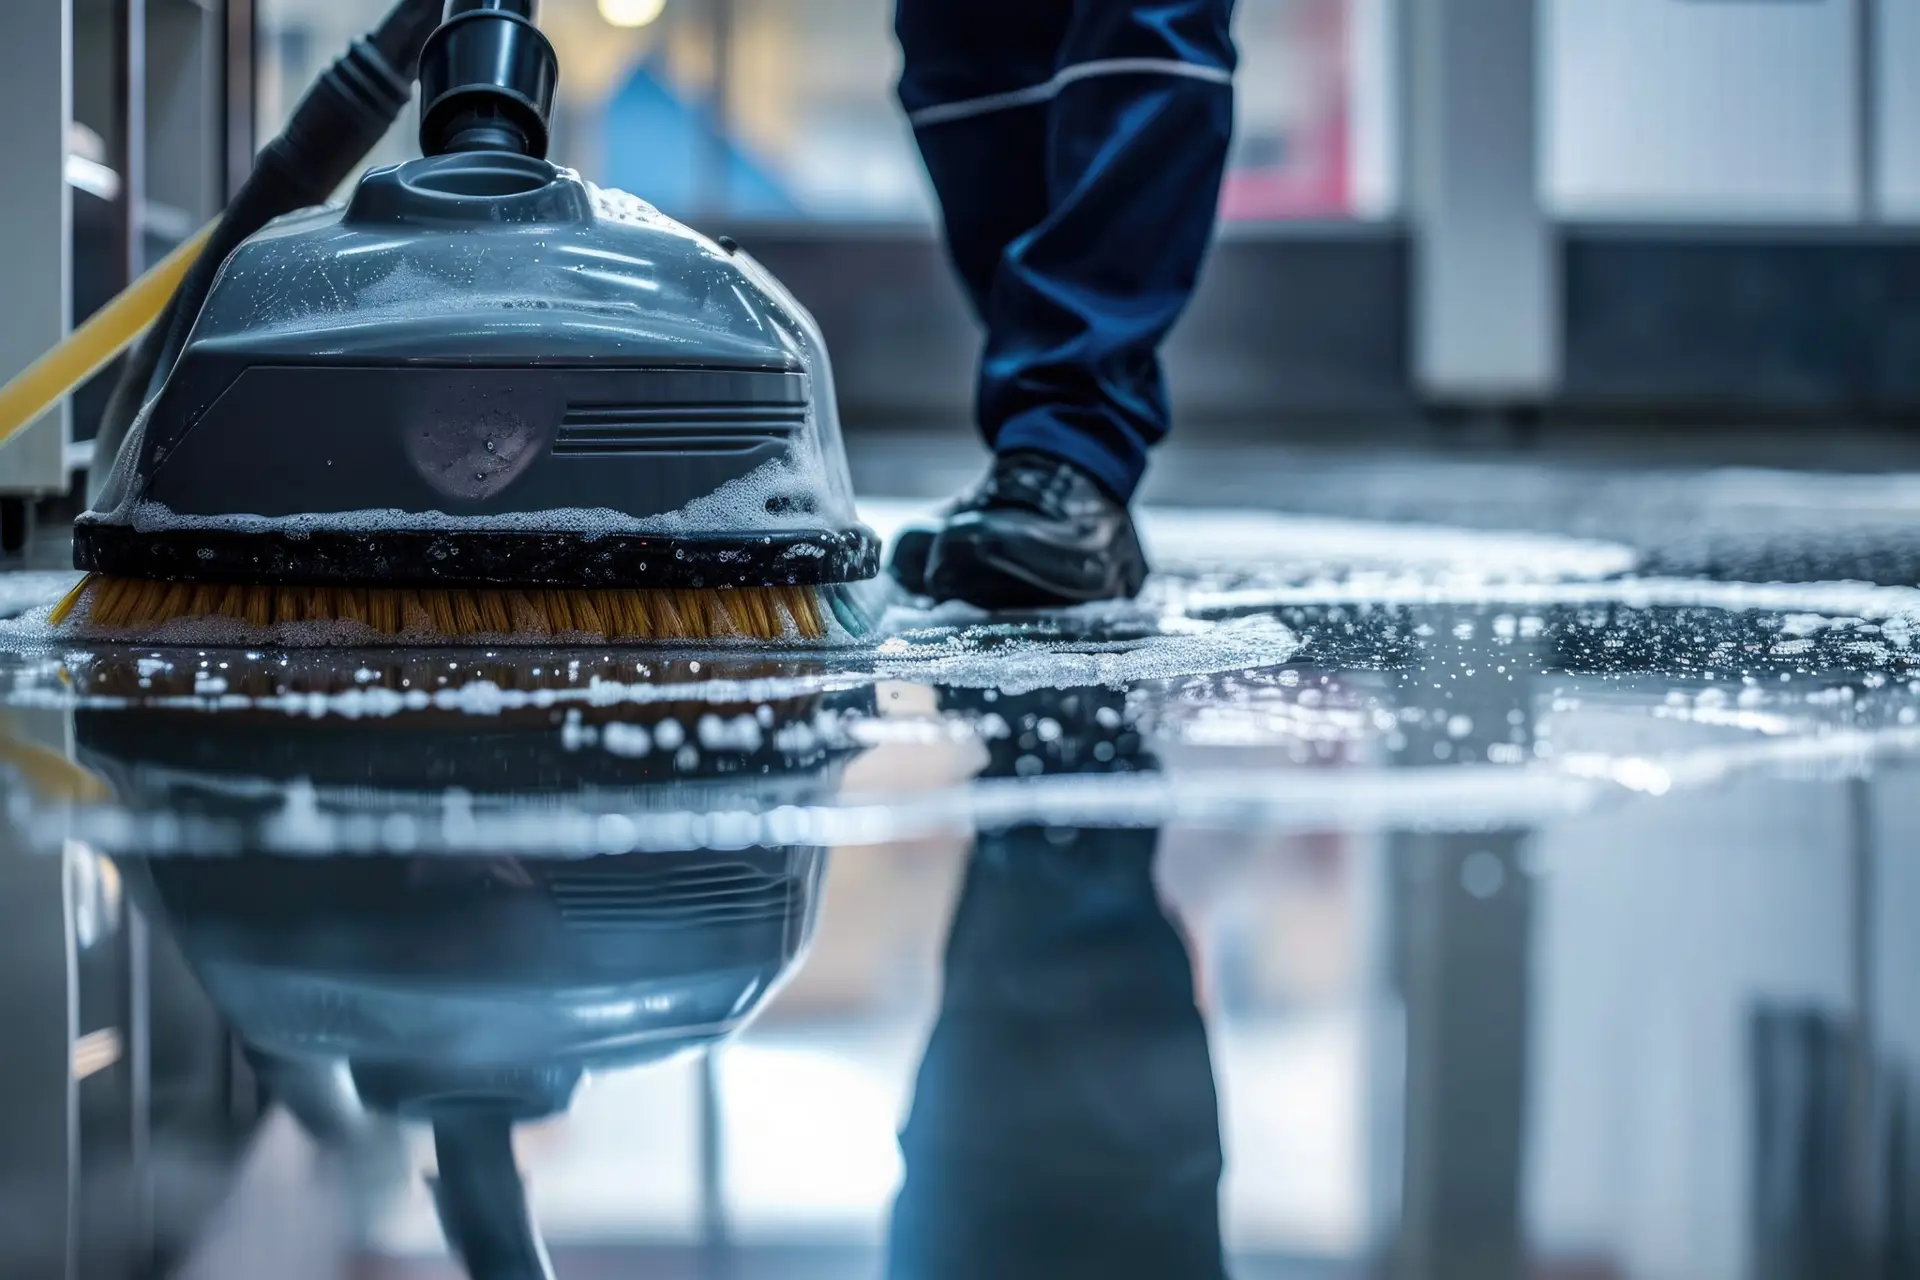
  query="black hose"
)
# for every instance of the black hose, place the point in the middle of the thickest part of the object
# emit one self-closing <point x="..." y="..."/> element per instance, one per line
<point x="341" y="118"/>
<point x="480" y="1199"/>
<point x="403" y="33"/>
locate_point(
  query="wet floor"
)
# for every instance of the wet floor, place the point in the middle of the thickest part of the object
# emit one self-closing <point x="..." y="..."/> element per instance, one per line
<point x="1367" y="898"/>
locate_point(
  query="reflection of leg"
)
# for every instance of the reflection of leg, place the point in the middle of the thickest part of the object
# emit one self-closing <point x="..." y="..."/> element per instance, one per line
<point x="1064" y="1119"/>
<point x="988" y="169"/>
<point x="1136" y="145"/>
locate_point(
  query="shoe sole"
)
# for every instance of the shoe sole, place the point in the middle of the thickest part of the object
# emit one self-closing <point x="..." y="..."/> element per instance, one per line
<point x="995" y="582"/>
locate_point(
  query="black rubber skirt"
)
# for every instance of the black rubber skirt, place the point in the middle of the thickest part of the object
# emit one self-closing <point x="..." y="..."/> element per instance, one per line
<point x="428" y="558"/>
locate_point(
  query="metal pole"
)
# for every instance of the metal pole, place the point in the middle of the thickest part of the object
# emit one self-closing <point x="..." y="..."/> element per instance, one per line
<point x="138" y="1021"/>
<point x="1462" y="915"/>
<point x="1863" y="1095"/>
<point x="1468" y="921"/>
<point x="132" y="109"/>
<point x="70" y="967"/>
<point x="36" y="208"/>
<point x="1866" y="79"/>
<point x="239" y="109"/>
<point x="715" y="1241"/>
<point x="1487" y="273"/>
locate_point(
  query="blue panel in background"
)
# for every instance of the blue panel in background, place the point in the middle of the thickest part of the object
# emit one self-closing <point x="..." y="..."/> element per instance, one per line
<point x="664" y="150"/>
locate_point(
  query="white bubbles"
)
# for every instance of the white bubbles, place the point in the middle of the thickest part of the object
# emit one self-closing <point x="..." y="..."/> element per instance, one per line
<point x="623" y="739"/>
<point x="615" y="833"/>
<point x="737" y="733"/>
<point x="1482" y="874"/>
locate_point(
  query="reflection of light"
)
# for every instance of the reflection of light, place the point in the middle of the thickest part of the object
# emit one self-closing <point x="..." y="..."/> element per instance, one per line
<point x="95" y="1052"/>
<point x="1293" y="1119"/>
<point x="631" y="13"/>
<point x="93" y="177"/>
<point x="1633" y="773"/>
<point x="808" y="1137"/>
<point x="94" y="892"/>
<point x="622" y="1010"/>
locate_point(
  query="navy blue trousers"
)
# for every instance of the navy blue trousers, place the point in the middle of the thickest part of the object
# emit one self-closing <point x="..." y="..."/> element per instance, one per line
<point x="1077" y="148"/>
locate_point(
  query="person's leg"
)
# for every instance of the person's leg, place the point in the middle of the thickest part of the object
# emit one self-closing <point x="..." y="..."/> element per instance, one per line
<point x="1137" y="134"/>
<point x="1078" y="274"/>
<point x="973" y="80"/>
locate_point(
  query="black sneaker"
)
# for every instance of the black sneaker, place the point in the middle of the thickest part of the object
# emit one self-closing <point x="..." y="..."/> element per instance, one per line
<point x="1036" y="532"/>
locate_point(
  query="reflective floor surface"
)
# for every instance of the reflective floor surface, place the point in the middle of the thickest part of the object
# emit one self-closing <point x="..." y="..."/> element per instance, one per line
<point x="1368" y="899"/>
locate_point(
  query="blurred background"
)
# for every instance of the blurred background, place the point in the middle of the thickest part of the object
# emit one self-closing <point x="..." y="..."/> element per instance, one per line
<point x="1659" y="215"/>
<point x="1663" y="226"/>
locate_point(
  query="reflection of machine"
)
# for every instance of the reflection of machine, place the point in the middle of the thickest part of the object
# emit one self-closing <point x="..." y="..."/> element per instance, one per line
<point x="435" y="968"/>
<point x="384" y="750"/>
<point x="473" y="994"/>
<point x="470" y="992"/>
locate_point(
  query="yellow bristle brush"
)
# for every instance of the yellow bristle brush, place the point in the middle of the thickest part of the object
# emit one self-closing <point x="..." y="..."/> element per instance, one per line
<point x="108" y="606"/>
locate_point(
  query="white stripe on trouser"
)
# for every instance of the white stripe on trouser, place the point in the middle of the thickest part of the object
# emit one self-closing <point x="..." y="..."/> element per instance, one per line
<point x="945" y="111"/>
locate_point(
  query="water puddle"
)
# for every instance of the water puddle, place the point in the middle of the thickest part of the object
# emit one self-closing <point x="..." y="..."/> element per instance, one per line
<point x="1277" y="674"/>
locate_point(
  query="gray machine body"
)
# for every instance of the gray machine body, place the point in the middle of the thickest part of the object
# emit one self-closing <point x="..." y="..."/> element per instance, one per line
<point x="488" y="343"/>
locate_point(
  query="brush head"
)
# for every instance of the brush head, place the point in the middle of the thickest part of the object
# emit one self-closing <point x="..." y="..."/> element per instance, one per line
<point x="110" y="606"/>
<point x="485" y="373"/>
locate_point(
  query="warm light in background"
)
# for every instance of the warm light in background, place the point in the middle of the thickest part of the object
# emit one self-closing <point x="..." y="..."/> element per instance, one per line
<point x="631" y="13"/>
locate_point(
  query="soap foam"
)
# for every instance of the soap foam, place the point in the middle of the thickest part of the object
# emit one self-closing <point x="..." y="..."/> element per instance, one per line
<point x="739" y="506"/>
<point x="610" y="204"/>
<point x="25" y="593"/>
<point x="975" y="660"/>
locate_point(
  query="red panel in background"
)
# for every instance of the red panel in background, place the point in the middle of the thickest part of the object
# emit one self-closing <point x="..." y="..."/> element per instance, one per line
<point x="1313" y="177"/>
<point x="1316" y="184"/>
